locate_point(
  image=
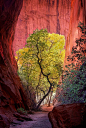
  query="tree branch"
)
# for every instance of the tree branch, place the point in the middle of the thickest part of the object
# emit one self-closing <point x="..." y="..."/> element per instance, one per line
<point x="39" y="62"/>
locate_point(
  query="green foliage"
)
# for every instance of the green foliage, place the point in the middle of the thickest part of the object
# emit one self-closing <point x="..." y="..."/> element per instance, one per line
<point x="74" y="82"/>
<point x="79" y="51"/>
<point x="43" y="56"/>
<point x="73" y="87"/>
<point x="22" y="111"/>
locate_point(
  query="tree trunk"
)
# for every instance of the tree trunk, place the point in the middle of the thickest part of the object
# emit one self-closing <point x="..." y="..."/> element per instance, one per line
<point x="44" y="97"/>
<point x="49" y="100"/>
<point x="47" y="76"/>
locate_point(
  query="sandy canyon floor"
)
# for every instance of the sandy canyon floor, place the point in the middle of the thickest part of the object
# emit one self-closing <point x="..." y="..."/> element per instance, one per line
<point x="40" y="120"/>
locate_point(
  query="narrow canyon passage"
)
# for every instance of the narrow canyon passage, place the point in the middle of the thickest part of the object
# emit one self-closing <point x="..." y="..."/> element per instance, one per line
<point x="18" y="19"/>
<point x="40" y="120"/>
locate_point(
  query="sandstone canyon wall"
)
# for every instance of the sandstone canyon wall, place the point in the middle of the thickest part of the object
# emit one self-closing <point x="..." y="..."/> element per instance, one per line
<point x="78" y="14"/>
<point x="39" y="14"/>
<point x="51" y="14"/>
<point x="11" y="91"/>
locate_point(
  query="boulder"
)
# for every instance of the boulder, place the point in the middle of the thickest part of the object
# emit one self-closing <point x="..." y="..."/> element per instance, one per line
<point x="68" y="116"/>
<point x="4" y="121"/>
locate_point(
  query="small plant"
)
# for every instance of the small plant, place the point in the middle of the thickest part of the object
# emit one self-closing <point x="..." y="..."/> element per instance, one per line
<point x="74" y="79"/>
<point x="22" y="111"/>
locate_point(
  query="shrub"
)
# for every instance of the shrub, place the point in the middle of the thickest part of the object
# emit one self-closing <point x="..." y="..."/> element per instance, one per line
<point x="22" y="111"/>
<point x="74" y="79"/>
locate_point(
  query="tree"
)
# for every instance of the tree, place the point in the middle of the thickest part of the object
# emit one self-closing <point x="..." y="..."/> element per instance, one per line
<point x="42" y="60"/>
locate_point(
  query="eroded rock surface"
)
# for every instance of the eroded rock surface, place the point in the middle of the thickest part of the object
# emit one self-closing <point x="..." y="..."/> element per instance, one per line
<point x="78" y="14"/>
<point x="11" y="92"/>
<point x="39" y="14"/>
<point x="68" y="116"/>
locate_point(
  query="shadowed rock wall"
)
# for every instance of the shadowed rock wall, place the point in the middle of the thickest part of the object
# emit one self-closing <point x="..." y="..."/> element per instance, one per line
<point x="11" y="91"/>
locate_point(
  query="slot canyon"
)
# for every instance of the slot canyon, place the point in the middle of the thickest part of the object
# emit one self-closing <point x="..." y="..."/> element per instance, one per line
<point x="18" y="19"/>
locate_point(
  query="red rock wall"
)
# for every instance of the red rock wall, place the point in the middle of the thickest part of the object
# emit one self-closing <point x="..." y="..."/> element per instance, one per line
<point x="78" y="14"/>
<point x="11" y="91"/>
<point x="37" y="14"/>
<point x="41" y="14"/>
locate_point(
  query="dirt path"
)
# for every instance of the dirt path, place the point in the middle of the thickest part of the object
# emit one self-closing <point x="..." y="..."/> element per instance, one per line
<point x="40" y="120"/>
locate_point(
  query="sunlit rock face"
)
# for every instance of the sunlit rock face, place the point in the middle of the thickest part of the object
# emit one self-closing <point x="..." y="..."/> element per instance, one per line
<point x="78" y="14"/>
<point x="39" y="14"/>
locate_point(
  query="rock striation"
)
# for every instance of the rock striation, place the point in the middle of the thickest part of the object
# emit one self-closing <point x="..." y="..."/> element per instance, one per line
<point x="78" y="14"/>
<point x="37" y="14"/>
<point x="11" y="91"/>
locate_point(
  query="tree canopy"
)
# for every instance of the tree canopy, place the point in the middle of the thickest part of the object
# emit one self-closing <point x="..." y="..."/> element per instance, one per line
<point x="41" y="61"/>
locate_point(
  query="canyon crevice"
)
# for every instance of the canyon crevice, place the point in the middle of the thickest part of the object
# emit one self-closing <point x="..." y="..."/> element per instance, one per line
<point x="18" y="18"/>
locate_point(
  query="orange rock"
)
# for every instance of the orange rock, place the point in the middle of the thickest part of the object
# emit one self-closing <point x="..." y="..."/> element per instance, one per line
<point x="78" y="9"/>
